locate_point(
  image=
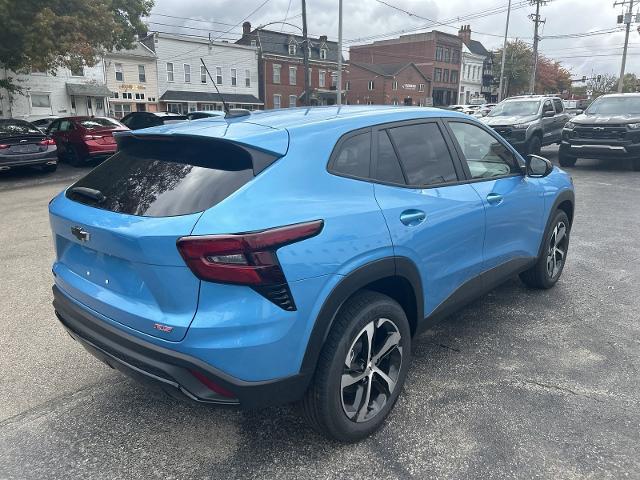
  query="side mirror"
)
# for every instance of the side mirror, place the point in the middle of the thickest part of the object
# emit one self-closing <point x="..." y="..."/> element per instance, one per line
<point x="579" y="112"/>
<point x="548" y="113"/>
<point x="538" y="167"/>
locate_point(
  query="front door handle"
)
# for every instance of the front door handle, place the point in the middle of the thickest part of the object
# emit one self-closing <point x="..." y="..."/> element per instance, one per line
<point x="494" y="198"/>
<point x="412" y="217"/>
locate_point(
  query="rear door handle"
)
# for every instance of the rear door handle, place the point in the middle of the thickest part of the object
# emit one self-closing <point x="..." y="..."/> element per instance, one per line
<point x="494" y="198"/>
<point x="412" y="217"/>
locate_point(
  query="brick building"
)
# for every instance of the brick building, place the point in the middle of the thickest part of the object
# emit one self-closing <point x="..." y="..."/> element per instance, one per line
<point x="436" y="54"/>
<point x="281" y="69"/>
<point x="386" y="84"/>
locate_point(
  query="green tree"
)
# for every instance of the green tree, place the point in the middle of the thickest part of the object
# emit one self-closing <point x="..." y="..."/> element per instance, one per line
<point x="630" y="83"/>
<point x="517" y="67"/>
<point x="601" y="84"/>
<point x="45" y="35"/>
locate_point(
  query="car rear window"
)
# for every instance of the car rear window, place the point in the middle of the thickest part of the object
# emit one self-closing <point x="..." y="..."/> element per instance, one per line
<point x="93" y="123"/>
<point x="17" y="127"/>
<point x="161" y="178"/>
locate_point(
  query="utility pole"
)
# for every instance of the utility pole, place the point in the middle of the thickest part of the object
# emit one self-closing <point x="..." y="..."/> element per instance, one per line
<point x="504" y="53"/>
<point x="626" y="40"/>
<point x="339" y="89"/>
<point x="305" y="51"/>
<point x="536" y="38"/>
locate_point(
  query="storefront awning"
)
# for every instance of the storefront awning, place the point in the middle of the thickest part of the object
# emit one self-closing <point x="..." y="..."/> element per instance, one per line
<point x="208" y="97"/>
<point x="88" y="90"/>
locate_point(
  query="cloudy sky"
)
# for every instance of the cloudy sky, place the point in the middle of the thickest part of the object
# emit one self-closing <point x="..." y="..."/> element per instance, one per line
<point x="368" y="18"/>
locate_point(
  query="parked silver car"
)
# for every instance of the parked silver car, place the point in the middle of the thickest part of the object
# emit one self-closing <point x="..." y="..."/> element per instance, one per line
<point x="529" y="122"/>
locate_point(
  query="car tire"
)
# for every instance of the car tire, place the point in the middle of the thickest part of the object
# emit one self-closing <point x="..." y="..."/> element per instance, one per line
<point x="342" y="412"/>
<point x="566" y="160"/>
<point x="49" y="168"/>
<point x="76" y="158"/>
<point x="635" y="164"/>
<point x="550" y="264"/>
<point x="534" y="146"/>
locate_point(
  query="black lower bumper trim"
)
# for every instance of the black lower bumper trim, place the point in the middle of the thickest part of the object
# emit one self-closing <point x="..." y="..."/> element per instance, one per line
<point x="168" y="369"/>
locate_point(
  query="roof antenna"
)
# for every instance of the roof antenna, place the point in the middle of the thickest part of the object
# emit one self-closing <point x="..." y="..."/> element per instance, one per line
<point x="228" y="113"/>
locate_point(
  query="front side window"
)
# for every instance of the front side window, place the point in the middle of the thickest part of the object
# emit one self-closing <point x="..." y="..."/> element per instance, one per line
<point x="424" y="154"/>
<point x="169" y="72"/>
<point x="292" y="75"/>
<point x="558" y="104"/>
<point x="354" y="156"/>
<point x="187" y="73"/>
<point x="276" y="73"/>
<point x="485" y="155"/>
<point x="142" y="77"/>
<point x="119" y="72"/>
<point x="547" y="107"/>
<point x="219" y="75"/>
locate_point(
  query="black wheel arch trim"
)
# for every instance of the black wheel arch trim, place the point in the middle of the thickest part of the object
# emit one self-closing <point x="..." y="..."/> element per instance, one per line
<point x="396" y="266"/>
<point x="564" y="196"/>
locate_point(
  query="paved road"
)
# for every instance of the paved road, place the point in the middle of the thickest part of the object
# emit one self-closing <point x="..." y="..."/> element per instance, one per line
<point x="521" y="384"/>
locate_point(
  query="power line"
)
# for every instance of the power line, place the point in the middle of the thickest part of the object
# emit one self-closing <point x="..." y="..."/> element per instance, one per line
<point x="245" y="18"/>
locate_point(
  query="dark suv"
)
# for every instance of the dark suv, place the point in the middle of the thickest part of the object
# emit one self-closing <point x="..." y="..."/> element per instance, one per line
<point x="529" y="122"/>
<point x="608" y="129"/>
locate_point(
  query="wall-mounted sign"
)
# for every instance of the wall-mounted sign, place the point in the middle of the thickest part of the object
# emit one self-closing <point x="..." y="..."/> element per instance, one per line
<point x="409" y="86"/>
<point x="131" y="86"/>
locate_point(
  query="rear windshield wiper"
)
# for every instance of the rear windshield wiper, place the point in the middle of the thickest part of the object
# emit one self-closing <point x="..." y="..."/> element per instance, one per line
<point x="91" y="193"/>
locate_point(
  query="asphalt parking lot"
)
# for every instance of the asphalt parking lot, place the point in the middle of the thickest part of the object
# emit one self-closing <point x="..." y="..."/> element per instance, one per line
<point x="520" y="384"/>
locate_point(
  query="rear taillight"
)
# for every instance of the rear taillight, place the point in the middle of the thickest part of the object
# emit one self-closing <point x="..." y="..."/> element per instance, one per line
<point x="247" y="259"/>
<point x="47" y="141"/>
<point x="3" y="146"/>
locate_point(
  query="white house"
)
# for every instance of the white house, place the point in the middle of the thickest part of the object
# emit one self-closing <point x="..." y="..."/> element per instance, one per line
<point x="472" y="72"/>
<point x="79" y="92"/>
<point x="184" y="84"/>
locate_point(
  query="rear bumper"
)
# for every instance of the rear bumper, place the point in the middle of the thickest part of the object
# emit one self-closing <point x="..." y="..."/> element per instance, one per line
<point x="176" y="373"/>
<point x="42" y="158"/>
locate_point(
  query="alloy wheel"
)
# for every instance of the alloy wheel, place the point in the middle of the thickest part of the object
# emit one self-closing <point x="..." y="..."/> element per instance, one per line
<point x="557" y="250"/>
<point x="371" y="370"/>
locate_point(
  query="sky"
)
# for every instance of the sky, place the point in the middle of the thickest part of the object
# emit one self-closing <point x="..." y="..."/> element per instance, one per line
<point x="597" y="54"/>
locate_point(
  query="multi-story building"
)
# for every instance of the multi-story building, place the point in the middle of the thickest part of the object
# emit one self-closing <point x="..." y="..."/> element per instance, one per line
<point x="81" y="91"/>
<point x="386" y="84"/>
<point x="281" y="67"/>
<point x="476" y="77"/>
<point x="436" y="54"/>
<point x="184" y="85"/>
<point x="133" y="80"/>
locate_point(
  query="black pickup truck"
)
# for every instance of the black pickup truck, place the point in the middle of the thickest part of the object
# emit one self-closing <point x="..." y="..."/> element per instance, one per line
<point x="609" y="129"/>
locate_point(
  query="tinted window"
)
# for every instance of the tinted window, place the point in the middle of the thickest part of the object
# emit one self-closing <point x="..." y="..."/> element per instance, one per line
<point x="93" y="123"/>
<point x="485" y="155"/>
<point x="558" y="104"/>
<point x="388" y="167"/>
<point x="17" y="127"/>
<point x="65" y="126"/>
<point x="160" y="178"/>
<point x="424" y="154"/>
<point x="354" y="156"/>
<point x="548" y="106"/>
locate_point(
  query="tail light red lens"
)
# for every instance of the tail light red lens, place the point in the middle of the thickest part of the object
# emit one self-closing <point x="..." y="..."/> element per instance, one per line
<point x="48" y="141"/>
<point x="247" y="258"/>
<point x="3" y="146"/>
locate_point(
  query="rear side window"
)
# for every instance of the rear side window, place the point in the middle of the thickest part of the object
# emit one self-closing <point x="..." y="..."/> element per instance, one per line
<point x="354" y="156"/>
<point x="93" y="123"/>
<point x="387" y="167"/>
<point x="163" y="177"/>
<point x="424" y="154"/>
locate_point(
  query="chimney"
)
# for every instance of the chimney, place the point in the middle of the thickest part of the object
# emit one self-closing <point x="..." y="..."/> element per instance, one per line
<point x="465" y="33"/>
<point x="246" y="28"/>
<point x="323" y="38"/>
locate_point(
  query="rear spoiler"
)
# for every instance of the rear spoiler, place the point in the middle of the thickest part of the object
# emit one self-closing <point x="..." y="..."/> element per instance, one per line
<point x="163" y="147"/>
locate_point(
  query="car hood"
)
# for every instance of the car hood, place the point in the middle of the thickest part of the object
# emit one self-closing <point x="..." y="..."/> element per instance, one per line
<point x="506" y="120"/>
<point x="606" y="119"/>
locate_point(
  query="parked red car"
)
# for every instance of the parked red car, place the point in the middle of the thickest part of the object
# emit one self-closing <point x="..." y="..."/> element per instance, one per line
<point x="80" y="139"/>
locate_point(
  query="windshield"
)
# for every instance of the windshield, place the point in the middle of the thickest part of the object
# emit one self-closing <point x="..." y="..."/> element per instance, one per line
<point x="17" y="127"/>
<point x="93" y="123"/>
<point x="615" y="106"/>
<point x="519" y="108"/>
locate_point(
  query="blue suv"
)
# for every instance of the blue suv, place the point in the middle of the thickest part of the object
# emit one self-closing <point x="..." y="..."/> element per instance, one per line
<point x="293" y="255"/>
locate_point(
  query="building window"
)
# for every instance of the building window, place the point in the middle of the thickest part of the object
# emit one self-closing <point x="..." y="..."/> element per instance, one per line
<point x="394" y="85"/>
<point x="253" y="43"/>
<point x="421" y="87"/>
<point x="169" y="72"/>
<point x="455" y="56"/>
<point x="219" y="75"/>
<point x="334" y="79"/>
<point x="121" y="109"/>
<point x="437" y="74"/>
<point x="454" y="76"/>
<point x="40" y="100"/>
<point x="447" y="55"/>
<point x="321" y="78"/>
<point x="347" y="85"/>
<point x="234" y="77"/>
<point x="247" y="78"/>
<point x="77" y="71"/>
<point x="276" y="101"/>
<point x="292" y="75"/>
<point x="187" y="73"/>
<point x="142" y="77"/>
<point x="292" y="101"/>
<point x="439" y="54"/>
<point x="445" y="76"/>
<point x="139" y="96"/>
<point x="323" y="54"/>
<point x="292" y="48"/>
<point x="370" y="86"/>
<point x="203" y="74"/>
<point x="119" y="73"/>
<point x="395" y="102"/>
<point x="276" y="73"/>
<point x="114" y="94"/>
<point x="174" y="108"/>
